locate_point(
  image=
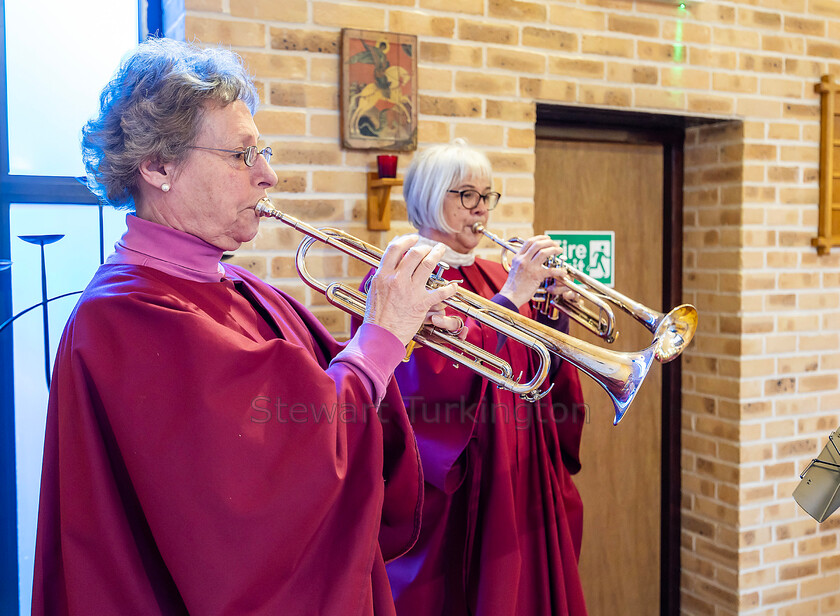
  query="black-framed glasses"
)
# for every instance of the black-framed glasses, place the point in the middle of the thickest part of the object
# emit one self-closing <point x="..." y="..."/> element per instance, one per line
<point x="470" y="198"/>
<point x="249" y="154"/>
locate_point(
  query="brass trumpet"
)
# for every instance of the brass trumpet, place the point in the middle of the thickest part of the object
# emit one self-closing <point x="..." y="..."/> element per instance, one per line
<point x="619" y="373"/>
<point x="672" y="332"/>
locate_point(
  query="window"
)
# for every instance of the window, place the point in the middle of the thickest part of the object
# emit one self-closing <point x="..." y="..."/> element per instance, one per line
<point x="53" y="70"/>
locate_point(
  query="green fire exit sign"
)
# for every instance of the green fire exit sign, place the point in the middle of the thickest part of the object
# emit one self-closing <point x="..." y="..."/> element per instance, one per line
<point x="592" y="252"/>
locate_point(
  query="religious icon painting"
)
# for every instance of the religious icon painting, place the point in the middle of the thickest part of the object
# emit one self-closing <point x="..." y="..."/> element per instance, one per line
<point x="378" y="90"/>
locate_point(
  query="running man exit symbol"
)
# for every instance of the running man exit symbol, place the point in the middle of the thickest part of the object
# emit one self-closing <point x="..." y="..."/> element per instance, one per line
<point x="592" y="252"/>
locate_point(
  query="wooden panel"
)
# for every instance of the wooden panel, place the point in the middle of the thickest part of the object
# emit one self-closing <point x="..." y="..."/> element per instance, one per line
<point x="609" y="186"/>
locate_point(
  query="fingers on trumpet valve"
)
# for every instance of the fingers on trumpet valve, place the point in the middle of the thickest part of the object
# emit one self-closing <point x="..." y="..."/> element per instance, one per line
<point x="452" y="324"/>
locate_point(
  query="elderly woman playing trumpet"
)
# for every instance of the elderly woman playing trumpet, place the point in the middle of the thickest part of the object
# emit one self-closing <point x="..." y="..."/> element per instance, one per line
<point x="502" y="520"/>
<point x="210" y="448"/>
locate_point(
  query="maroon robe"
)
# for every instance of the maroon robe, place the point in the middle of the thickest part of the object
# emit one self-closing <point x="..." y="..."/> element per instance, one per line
<point x="502" y="519"/>
<point x="203" y="457"/>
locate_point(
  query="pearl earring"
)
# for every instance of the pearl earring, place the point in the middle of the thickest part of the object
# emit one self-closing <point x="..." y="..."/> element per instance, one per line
<point x="165" y="187"/>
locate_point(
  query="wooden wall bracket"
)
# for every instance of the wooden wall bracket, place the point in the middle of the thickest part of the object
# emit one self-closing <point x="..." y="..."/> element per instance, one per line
<point x="379" y="201"/>
<point x="828" y="233"/>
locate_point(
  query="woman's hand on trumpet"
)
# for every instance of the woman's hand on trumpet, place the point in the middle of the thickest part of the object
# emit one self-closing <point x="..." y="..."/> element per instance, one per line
<point x="398" y="299"/>
<point x="528" y="270"/>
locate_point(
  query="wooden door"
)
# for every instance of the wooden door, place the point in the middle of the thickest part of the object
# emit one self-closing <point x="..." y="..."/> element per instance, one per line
<point x="618" y="187"/>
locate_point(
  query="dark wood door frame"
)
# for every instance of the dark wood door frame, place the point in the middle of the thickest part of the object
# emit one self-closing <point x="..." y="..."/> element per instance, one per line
<point x="586" y="124"/>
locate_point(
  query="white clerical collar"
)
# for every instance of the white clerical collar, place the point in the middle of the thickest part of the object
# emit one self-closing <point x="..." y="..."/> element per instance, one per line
<point x="450" y="257"/>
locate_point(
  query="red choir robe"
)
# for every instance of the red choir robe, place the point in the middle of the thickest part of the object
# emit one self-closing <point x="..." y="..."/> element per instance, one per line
<point x="502" y="519"/>
<point x="203" y="457"/>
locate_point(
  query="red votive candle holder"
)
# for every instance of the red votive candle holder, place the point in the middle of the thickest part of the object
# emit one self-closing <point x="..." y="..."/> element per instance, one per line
<point x="386" y="164"/>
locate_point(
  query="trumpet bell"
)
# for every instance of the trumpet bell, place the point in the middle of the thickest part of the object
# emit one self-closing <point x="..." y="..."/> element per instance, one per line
<point x="674" y="332"/>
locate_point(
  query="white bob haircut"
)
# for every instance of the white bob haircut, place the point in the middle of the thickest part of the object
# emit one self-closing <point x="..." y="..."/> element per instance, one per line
<point x="434" y="171"/>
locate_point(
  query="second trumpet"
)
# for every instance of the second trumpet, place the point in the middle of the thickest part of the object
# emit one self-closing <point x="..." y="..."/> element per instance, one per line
<point x="672" y="331"/>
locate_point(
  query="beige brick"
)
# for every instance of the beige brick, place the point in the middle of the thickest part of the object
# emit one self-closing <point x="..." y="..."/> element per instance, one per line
<point x="780" y="130"/>
<point x="277" y="122"/>
<point x="803" y="68"/>
<point x="517" y="10"/>
<point x="734" y="83"/>
<point x="825" y="8"/>
<point x="632" y="73"/>
<point x="572" y="67"/>
<point x="661" y="52"/>
<point x="290" y="181"/>
<point x="683" y="77"/>
<point x="822" y="49"/>
<point x="338" y="182"/>
<point x="755" y="579"/>
<point x="509" y="162"/>
<point x="548" y="89"/>
<point x="762" y="64"/>
<point x="817" y="545"/>
<point x="573" y="18"/>
<point x="435" y="80"/>
<point x="785" y="45"/>
<point x="519" y="61"/>
<point x="605" y="95"/>
<point x="712" y="58"/>
<point x="789" y="365"/>
<point x="325" y="125"/>
<point x="268" y="10"/>
<point x="347" y="15"/>
<point x="324" y="70"/>
<point x="825" y="382"/>
<point x="656" y="98"/>
<point x="606" y="46"/>
<point x="636" y="26"/>
<point x="782" y="174"/>
<point x="778" y="594"/>
<point x="430" y="131"/>
<point x="475" y="7"/>
<point x="445" y="53"/>
<point x="737" y="38"/>
<point x="556" y="40"/>
<point x="481" y="134"/>
<point x="291" y="94"/>
<point x="522" y="187"/>
<point x="703" y="103"/>
<point x="225" y="31"/>
<point x="300" y="39"/>
<point x="445" y="106"/>
<point x="686" y="32"/>
<point x="487" y="32"/>
<point x="760" y="20"/>
<point x="421" y="24"/>
<point x="274" y="65"/>
<point x="299" y="153"/>
<point x="511" y="112"/>
<point x="778" y="552"/>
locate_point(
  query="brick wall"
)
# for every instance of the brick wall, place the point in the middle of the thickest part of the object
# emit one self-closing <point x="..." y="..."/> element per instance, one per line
<point x="760" y="388"/>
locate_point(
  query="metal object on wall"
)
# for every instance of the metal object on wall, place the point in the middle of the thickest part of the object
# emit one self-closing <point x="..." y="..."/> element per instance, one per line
<point x="819" y="491"/>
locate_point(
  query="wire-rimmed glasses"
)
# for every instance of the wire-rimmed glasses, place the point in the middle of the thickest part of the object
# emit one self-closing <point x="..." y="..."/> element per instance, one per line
<point x="249" y="154"/>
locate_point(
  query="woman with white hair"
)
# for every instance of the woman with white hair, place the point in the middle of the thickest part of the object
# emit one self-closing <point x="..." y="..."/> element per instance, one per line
<point x="502" y="519"/>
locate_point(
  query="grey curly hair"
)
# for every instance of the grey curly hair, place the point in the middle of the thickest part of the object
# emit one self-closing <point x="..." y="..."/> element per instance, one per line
<point x="152" y="109"/>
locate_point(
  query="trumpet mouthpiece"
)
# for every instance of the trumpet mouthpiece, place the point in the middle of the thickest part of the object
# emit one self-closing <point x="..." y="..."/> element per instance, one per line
<point x="477" y="227"/>
<point x="263" y="207"/>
